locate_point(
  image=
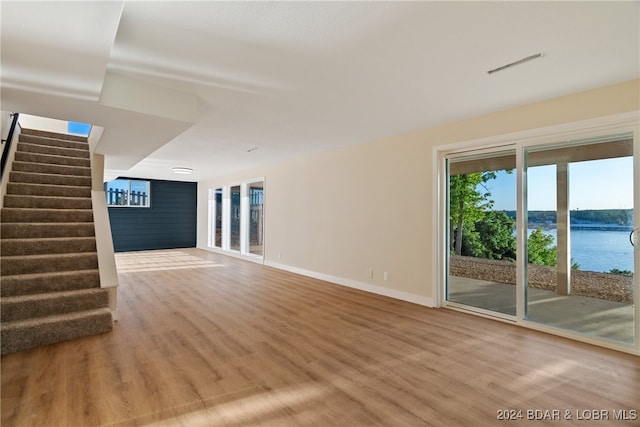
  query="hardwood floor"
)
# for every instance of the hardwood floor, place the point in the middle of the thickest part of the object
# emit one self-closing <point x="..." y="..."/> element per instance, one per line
<point x="208" y="340"/>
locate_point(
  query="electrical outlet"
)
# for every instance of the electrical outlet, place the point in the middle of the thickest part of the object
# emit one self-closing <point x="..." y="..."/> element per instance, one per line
<point x="386" y="275"/>
<point x="370" y="273"/>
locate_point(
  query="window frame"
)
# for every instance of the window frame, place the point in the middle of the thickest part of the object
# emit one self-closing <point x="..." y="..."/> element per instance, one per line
<point x="129" y="181"/>
<point x="243" y="210"/>
<point x="540" y="137"/>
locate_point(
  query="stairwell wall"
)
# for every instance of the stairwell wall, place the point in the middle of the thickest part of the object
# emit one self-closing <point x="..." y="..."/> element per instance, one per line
<point x="12" y="153"/>
<point x="104" y="239"/>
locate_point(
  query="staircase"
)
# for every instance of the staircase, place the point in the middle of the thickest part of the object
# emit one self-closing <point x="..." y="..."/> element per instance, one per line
<point x="50" y="289"/>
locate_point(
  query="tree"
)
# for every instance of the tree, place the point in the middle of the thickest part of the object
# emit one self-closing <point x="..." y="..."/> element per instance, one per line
<point x="467" y="205"/>
<point x="621" y="272"/>
<point x="540" y="248"/>
<point x="496" y="236"/>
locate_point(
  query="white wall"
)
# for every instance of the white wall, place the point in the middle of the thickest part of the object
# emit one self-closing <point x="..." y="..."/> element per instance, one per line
<point x="338" y="214"/>
<point x="42" y="123"/>
<point x="5" y="123"/>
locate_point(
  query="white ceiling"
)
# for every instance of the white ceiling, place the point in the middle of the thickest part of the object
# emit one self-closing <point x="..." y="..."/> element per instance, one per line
<point x="226" y="86"/>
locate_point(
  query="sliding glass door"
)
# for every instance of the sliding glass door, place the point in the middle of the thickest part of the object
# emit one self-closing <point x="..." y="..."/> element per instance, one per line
<point x="481" y="231"/>
<point x="541" y="233"/>
<point x="580" y="215"/>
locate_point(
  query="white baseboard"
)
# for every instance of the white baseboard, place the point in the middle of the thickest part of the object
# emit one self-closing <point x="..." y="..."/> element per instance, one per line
<point x="367" y="287"/>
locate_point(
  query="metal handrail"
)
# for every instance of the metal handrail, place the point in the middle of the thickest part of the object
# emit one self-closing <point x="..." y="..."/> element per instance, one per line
<point x="7" y="143"/>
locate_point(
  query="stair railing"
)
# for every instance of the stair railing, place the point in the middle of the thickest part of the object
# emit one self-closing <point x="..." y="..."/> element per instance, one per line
<point x="6" y="143"/>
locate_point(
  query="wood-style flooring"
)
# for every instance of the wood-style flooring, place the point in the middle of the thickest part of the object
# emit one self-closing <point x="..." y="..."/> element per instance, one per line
<point x="209" y="340"/>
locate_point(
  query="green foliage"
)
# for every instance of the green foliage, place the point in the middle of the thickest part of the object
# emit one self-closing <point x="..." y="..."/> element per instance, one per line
<point x="540" y="248"/>
<point x="496" y="236"/>
<point x="621" y="217"/>
<point x="603" y="216"/>
<point x="467" y="205"/>
<point x="621" y="272"/>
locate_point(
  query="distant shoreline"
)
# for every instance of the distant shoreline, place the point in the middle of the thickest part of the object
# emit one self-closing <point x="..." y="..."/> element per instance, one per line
<point x="601" y="220"/>
<point x="589" y="227"/>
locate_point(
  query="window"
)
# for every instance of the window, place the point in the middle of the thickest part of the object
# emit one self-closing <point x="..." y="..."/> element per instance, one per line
<point x="234" y="243"/>
<point x="128" y="193"/>
<point x="236" y="218"/>
<point x="256" y="220"/>
<point x="218" y="218"/>
<point x="78" y="128"/>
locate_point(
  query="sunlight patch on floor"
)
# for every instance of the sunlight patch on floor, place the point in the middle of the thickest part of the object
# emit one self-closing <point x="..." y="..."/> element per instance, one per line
<point x="248" y="410"/>
<point x="130" y="262"/>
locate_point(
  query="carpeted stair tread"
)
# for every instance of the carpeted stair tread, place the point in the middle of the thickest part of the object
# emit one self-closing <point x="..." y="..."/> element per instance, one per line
<point x="25" y="334"/>
<point x="34" y="167"/>
<point x="44" y="263"/>
<point x="50" y="289"/>
<point x="52" y="303"/>
<point x="50" y="159"/>
<point x="55" y="245"/>
<point x="13" y="215"/>
<point x="35" y="283"/>
<point x="27" y="147"/>
<point x="53" y="135"/>
<point x="25" y="189"/>
<point x="53" y="142"/>
<point x="47" y="202"/>
<point x="37" y="230"/>
<point x="47" y="178"/>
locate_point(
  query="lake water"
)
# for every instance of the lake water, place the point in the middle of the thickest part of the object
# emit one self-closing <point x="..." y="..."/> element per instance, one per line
<point x="601" y="251"/>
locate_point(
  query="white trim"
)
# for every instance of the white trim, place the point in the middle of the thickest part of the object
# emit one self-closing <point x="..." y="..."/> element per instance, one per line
<point x="552" y="133"/>
<point x="636" y="223"/>
<point x="211" y="216"/>
<point x="378" y="290"/>
<point x="244" y="218"/>
<point x="439" y="225"/>
<point x="226" y="216"/>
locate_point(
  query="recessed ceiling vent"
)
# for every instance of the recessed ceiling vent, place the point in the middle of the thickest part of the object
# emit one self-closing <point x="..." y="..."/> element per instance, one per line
<point x="518" y="62"/>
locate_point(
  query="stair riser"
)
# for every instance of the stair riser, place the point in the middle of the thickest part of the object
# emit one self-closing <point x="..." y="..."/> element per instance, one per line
<point x="15" y="247"/>
<point x="45" y="333"/>
<point x="31" y="265"/>
<point x="40" y="202"/>
<point x="52" y="304"/>
<point x="51" y="169"/>
<point x="51" y="160"/>
<point x="18" y="230"/>
<point x="53" y="179"/>
<point x="49" y="266"/>
<point x="46" y="215"/>
<point x="54" y="282"/>
<point x="25" y="147"/>
<point x="47" y="190"/>
<point x="52" y="135"/>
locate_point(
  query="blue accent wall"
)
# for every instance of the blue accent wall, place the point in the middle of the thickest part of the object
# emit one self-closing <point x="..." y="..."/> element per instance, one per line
<point x="169" y="223"/>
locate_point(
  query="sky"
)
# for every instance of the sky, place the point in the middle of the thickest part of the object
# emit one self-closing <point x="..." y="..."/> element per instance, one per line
<point x="597" y="184"/>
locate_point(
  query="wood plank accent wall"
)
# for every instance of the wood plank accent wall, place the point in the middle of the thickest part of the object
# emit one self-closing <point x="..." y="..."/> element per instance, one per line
<point x="169" y="223"/>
